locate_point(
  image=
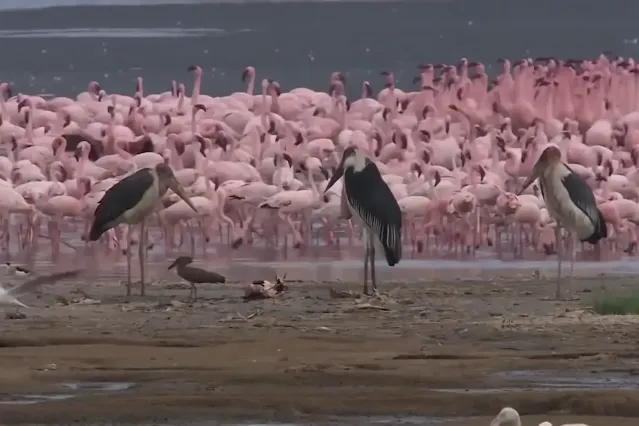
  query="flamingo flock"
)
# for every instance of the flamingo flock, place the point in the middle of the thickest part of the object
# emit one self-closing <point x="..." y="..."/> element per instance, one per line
<point x="453" y="153"/>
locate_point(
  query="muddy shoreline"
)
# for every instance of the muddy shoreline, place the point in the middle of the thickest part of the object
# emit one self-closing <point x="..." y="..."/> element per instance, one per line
<point x="435" y="348"/>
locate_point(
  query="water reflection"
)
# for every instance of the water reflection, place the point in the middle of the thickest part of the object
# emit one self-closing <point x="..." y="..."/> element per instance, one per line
<point x="118" y="33"/>
<point x="360" y="420"/>
<point x="320" y="266"/>
<point x="43" y="4"/>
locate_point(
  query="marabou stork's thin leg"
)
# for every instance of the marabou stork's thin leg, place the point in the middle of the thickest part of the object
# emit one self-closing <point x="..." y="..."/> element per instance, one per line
<point x="129" y="254"/>
<point x="558" y="245"/>
<point x="371" y="245"/>
<point x="573" y="254"/>
<point x="141" y="251"/>
<point x="366" y="255"/>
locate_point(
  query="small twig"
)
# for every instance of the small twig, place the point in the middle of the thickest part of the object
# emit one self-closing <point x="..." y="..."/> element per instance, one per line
<point x="370" y="306"/>
<point x="250" y="316"/>
<point x="341" y="294"/>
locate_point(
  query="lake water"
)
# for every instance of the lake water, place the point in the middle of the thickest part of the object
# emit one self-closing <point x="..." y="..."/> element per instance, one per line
<point x="58" y="46"/>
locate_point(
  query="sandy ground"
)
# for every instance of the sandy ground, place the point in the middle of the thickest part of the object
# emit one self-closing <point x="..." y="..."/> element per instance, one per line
<point x="432" y="348"/>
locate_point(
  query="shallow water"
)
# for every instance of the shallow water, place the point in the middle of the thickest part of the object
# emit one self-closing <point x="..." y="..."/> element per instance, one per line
<point x="86" y="387"/>
<point x="551" y="380"/>
<point x="316" y="265"/>
<point x="18" y="399"/>
<point x="421" y="421"/>
<point x="66" y="390"/>
<point x="554" y="380"/>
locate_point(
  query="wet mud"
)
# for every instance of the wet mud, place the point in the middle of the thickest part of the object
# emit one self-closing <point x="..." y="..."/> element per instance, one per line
<point x="445" y="349"/>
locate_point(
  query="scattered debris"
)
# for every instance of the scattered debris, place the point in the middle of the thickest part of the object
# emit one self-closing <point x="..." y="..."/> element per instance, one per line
<point x="342" y="294"/>
<point x="88" y="301"/>
<point x="176" y="303"/>
<point x="17" y="270"/>
<point x="369" y="306"/>
<point x="61" y="300"/>
<point x="239" y="317"/>
<point x="253" y="315"/>
<point x="15" y="315"/>
<point x="49" y="367"/>
<point x="177" y="286"/>
<point x="262" y="289"/>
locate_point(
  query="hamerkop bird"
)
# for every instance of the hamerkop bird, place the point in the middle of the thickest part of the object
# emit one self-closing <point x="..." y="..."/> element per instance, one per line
<point x="194" y="275"/>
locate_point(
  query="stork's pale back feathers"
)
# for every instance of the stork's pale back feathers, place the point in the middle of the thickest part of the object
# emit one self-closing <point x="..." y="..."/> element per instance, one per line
<point x="370" y="198"/>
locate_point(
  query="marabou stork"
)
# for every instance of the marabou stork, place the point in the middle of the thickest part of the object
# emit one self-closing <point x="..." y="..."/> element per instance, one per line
<point x="371" y="202"/>
<point x="130" y="201"/>
<point x="570" y="202"/>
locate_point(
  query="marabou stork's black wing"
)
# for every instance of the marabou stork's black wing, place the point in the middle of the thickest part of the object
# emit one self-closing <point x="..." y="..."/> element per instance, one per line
<point x="121" y="197"/>
<point x="374" y="202"/>
<point x="581" y="196"/>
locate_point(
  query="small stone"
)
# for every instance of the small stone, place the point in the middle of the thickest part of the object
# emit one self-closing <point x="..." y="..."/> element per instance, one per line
<point x="49" y="367"/>
<point x="61" y="300"/>
<point x="177" y="303"/>
<point x="15" y="315"/>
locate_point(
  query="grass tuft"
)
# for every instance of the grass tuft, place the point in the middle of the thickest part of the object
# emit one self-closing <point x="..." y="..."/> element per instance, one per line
<point x="618" y="305"/>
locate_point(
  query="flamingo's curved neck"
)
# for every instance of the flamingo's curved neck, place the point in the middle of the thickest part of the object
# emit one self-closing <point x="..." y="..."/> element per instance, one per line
<point x="251" y="86"/>
<point x="3" y="106"/>
<point x="196" y="88"/>
<point x="121" y="152"/>
<point x="29" y="129"/>
<point x="264" y="104"/>
<point x="275" y="101"/>
<point x="311" y="181"/>
<point x="180" y="104"/>
<point x="193" y="120"/>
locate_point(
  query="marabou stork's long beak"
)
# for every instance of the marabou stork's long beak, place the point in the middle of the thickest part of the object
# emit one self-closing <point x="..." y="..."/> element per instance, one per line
<point x="172" y="265"/>
<point x="177" y="188"/>
<point x="536" y="172"/>
<point x="338" y="174"/>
